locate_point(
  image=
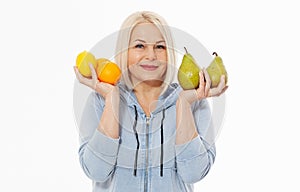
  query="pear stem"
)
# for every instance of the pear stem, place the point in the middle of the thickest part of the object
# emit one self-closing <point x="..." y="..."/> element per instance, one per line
<point x="214" y="53"/>
<point x="185" y="50"/>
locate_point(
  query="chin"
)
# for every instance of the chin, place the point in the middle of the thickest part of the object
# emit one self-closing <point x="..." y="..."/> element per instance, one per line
<point x="154" y="81"/>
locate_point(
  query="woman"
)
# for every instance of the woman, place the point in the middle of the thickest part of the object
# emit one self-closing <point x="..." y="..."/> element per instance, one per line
<point x="146" y="133"/>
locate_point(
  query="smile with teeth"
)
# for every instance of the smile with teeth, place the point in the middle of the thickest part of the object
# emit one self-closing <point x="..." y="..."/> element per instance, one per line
<point x="149" y="67"/>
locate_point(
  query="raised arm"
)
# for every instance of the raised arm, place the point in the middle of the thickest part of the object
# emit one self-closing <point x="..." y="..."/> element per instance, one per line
<point x="99" y="130"/>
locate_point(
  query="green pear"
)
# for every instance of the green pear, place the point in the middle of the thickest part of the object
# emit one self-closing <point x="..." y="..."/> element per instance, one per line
<point x="215" y="70"/>
<point x="188" y="73"/>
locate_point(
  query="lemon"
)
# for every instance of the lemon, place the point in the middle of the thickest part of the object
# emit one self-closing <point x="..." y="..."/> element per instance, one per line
<point x="82" y="62"/>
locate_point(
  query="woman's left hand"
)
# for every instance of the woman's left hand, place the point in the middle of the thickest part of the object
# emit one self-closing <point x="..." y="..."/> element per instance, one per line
<point x="204" y="90"/>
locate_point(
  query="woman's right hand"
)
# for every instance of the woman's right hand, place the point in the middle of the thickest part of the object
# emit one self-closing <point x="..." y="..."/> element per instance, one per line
<point x="102" y="88"/>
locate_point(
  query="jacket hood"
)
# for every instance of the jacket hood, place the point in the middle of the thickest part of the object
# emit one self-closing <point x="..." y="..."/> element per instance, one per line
<point x="166" y="99"/>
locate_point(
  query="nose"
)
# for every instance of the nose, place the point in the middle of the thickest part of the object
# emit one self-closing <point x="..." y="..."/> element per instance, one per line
<point x="151" y="54"/>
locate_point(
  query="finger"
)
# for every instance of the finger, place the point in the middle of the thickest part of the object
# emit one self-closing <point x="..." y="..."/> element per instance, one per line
<point x="216" y="91"/>
<point x="201" y="80"/>
<point x="207" y="83"/>
<point x="78" y="75"/>
<point x="222" y="83"/>
<point x="75" y="68"/>
<point x="93" y="71"/>
<point x="225" y="88"/>
<point x="82" y="79"/>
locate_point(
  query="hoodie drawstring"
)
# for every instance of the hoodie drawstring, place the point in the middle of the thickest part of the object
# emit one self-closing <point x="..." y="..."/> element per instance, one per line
<point x="161" y="143"/>
<point x="137" y="140"/>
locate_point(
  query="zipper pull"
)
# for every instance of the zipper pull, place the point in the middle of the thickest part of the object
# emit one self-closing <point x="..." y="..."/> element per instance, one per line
<point x="147" y="120"/>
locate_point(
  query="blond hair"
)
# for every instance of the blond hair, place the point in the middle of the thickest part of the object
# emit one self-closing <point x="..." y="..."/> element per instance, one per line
<point x="124" y="38"/>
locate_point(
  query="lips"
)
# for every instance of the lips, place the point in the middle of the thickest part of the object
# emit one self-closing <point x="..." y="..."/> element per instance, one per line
<point x="148" y="67"/>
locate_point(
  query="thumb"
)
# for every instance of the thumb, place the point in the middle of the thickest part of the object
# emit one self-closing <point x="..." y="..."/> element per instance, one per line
<point x="94" y="74"/>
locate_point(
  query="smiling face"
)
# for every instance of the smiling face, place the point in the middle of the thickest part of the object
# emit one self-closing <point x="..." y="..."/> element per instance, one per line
<point x="147" y="54"/>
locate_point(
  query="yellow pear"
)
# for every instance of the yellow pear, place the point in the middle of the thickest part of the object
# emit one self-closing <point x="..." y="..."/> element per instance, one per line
<point x="216" y="69"/>
<point x="188" y="73"/>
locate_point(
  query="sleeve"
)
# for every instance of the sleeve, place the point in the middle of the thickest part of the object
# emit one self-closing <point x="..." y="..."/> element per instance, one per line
<point x="195" y="158"/>
<point x="97" y="152"/>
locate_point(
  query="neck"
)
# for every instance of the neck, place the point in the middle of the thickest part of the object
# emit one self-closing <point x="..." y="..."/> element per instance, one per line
<point x="148" y="88"/>
<point x="147" y="96"/>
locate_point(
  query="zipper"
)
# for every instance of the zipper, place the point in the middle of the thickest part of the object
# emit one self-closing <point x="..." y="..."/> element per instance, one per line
<point x="147" y="155"/>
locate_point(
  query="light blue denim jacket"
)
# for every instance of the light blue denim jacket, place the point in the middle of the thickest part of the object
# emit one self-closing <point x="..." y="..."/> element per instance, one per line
<point x="144" y="158"/>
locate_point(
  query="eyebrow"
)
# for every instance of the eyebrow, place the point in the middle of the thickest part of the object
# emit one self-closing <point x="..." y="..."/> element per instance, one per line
<point x="160" y="41"/>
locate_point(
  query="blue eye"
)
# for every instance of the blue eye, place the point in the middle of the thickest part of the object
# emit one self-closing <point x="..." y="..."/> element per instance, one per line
<point x="140" y="46"/>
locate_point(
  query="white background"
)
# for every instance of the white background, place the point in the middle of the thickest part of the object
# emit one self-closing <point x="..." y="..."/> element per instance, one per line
<point x="258" y="41"/>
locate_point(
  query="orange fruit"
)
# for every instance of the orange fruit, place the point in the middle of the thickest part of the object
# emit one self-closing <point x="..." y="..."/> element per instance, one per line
<point x="82" y="62"/>
<point x="108" y="71"/>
